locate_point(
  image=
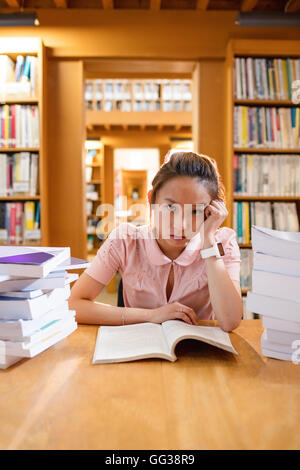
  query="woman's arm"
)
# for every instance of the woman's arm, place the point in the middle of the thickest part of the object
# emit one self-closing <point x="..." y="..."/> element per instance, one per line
<point x="86" y="289"/>
<point x="83" y="293"/>
<point x="225" y="294"/>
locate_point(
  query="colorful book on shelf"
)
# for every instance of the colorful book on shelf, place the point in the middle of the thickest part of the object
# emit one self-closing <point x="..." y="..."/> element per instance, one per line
<point x="265" y="78"/>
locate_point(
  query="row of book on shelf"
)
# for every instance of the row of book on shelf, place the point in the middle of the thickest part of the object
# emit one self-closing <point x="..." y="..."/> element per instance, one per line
<point x="18" y="76"/>
<point x="19" y="126"/>
<point x="267" y="127"/>
<point x="19" y="174"/>
<point x="275" y="215"/>
<point x="266" y="175"/>
<point x="19" y="222"/>
<point x="139" y="105"/>
<point x="266" y="78"/>
<point x="275" y="293"/>
<point x="118" y="89"/>
<point x="34" y="291"/>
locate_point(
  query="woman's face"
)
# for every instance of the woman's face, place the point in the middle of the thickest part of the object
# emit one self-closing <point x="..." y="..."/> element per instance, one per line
<point x="179" y="210"/>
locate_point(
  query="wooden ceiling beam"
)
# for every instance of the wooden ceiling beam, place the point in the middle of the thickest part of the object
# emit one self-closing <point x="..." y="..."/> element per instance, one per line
<point x="61" y="3"/>
<point x="248" y="5"/>
<point x="13" y="3"/>
<point x="202" y="4"/>
<point x="155" y="5"/>
<point x="292" y="6"/>
<point x="108" y="4"/>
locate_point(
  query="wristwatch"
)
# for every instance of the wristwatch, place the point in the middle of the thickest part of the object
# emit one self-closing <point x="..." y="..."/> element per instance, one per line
<point x="216" y="250"/>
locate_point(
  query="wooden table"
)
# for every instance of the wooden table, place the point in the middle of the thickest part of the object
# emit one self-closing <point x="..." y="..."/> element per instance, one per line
<point x="208" y="399"/>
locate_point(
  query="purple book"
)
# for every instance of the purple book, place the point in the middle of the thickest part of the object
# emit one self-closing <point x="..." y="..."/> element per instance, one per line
<point x="38" y="258"/>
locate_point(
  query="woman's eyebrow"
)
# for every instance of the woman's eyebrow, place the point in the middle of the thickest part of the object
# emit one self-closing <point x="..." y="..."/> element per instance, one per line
<point x="197" y="203"/>
<point x="169" y="199"/>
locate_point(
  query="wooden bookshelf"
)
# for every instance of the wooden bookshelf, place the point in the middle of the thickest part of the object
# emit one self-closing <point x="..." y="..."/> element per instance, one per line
<point x="138" y="102"/>
<point x="94" y="176"/>
<point x="30" y="47"/>
<point x="263" y="49"/>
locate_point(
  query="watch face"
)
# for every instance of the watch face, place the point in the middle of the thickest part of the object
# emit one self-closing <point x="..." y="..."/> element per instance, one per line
<point x="221" y="249"/>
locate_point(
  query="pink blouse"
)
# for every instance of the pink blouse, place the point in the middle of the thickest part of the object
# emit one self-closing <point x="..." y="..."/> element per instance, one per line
<point x="145" y="268"/>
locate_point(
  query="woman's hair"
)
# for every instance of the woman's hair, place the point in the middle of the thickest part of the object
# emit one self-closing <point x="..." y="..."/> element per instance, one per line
<point x="190" y="164"/>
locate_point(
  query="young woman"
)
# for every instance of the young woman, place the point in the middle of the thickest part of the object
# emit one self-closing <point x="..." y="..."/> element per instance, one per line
<point x="177" y="276"/>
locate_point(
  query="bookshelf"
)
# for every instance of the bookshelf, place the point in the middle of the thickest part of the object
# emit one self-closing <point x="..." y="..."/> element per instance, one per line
<point x="94" y="167"/>
<point x="262" y="140"/>
<point x="138" y="102"/>
<point x="23" y="179"/>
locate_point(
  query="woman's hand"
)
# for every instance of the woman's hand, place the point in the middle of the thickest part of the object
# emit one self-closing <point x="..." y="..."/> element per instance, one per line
<point x="174" y="311"/>
<point x="215" y="214"/>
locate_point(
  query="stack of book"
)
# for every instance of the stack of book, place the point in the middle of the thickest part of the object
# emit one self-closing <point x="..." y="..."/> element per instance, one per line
<point x="275" y="291"/>
<point x="34" y="311"/>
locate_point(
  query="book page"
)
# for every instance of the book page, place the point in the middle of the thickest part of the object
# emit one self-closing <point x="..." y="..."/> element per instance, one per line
<point x="129" y="342"/>
<point x="176" y="330"/>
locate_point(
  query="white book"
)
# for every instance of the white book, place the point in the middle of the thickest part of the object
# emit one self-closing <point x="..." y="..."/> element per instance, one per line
<point x="18" y="329"/>
<point x="30" y="294"/>
<point x="3" y="278"/>
<point x="281" y="325"/>
<point x="24" y="346"/>
<point x="29" y="309"/>
<point x="281" y="337"/>
<point x="34" y="163"/>
<point x="276" y="354"/>
<point x="265" y="81"/>
<point x="3" y="173"/>
<point x="276" y="285"/>
<point x="7" y="66"/>
<point x="71" y="263"/>
<point x="49" y="282"/>
<point x="238" y="92"/>
<point x="276" y="242"/>
<point x="273" y="307"/>
<point x="7" y="361"/>
<point x="292" y="217"/>
<point x="284" y="348"/>
<point x="58" y="255"/>
<point x="32" y="350"/>
<point x="250" y="78"/>
<point x="274" y="264"/>
<point x="152" y="340"/>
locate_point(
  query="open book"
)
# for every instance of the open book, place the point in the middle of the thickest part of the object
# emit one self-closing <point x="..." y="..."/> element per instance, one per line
<point x="153" y="340"/>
